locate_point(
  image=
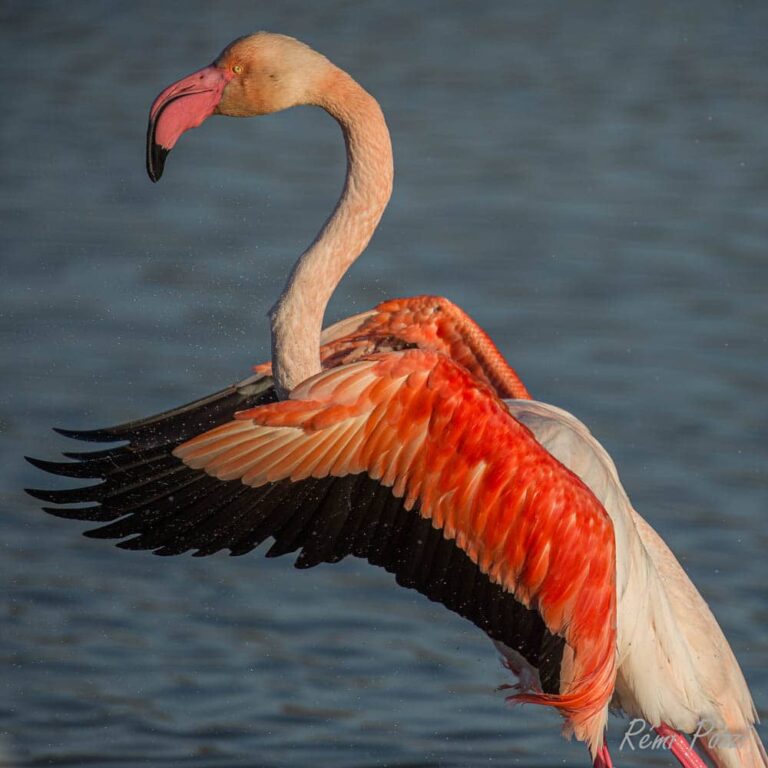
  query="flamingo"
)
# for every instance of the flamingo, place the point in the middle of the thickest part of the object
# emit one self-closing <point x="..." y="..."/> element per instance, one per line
<point x="385" y="437"/>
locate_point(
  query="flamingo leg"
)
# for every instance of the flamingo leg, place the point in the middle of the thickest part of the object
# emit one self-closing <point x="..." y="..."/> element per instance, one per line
<point x="603" y="759"/>
<point x="679" y="747"/>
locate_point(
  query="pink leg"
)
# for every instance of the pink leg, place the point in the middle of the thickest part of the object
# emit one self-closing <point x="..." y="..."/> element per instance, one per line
<point x="603" y="759"/>
<point x="681" y="749"/>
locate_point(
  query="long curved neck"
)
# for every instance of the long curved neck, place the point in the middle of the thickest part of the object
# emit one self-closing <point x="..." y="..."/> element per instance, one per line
<point x="297" y="317"/>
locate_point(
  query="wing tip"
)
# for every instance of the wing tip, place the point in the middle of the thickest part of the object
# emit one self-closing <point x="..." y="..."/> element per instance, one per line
<point x="93" y="513"/>
<point x="60" y="468"/>
<point x="39" y="494"/>
<point x="38" y="463"/>
<point x="88" y="435"/>
<point x="68" y="495"/>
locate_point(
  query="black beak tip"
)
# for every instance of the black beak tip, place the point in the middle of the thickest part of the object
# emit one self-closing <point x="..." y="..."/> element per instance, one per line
<point x="156" y="155"/>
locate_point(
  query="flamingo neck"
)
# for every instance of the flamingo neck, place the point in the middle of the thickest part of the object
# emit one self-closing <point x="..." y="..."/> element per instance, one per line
<point x="297" y="317"/>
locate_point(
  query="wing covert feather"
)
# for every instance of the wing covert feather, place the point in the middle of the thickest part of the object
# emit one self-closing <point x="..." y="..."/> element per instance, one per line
<point x="422" y="426"/>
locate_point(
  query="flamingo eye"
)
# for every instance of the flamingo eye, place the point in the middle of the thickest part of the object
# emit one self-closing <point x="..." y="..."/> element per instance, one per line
<point x="238" y="69"/>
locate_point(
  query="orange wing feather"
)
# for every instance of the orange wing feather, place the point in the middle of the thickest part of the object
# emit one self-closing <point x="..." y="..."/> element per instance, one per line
<point x="422" y="425"/>
<point x="430" y="323"/>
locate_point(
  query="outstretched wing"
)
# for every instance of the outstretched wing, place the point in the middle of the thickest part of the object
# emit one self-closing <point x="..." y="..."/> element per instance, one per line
<point x="407" y="461"/>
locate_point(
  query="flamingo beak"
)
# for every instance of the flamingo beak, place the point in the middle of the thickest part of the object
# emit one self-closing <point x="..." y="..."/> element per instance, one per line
<point x="180" y="107"/>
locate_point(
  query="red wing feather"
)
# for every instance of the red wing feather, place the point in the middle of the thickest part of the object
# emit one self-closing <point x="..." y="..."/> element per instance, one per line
<point x="426" y="322"/>
<point x="425" y="427"/>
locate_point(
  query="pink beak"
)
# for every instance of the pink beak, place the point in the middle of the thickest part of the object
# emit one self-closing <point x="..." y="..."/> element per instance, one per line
<point x="180" y="107"/>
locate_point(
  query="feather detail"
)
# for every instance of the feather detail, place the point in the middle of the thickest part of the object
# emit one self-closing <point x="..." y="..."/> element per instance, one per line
<point x="422" y="425"/>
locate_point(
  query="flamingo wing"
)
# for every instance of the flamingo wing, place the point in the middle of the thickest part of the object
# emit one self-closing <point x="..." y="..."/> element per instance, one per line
<point x="423" y="322"/>
<point x="434" y="322"/>
<point x="405" y="460"/>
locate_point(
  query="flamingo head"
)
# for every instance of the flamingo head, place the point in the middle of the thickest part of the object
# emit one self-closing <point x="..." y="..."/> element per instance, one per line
<point x="255" y="75"/>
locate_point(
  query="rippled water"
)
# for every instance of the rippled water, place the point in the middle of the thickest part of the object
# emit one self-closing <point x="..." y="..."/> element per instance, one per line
<point x="590" y="185"/>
